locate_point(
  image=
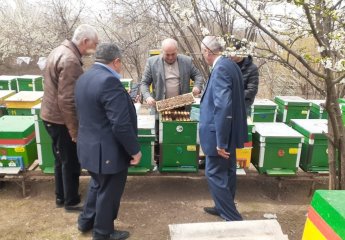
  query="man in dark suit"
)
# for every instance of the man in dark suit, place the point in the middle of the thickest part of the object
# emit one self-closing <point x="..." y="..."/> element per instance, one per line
<point x="107" y="141"/>
<point x="222" y="128"/>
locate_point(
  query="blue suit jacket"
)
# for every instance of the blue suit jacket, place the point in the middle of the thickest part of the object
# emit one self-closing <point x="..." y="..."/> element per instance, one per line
<point x="223" y="120"/>
<point x="107" y="133"/>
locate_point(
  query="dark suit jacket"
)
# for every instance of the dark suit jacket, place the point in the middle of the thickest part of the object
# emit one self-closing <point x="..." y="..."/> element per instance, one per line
<point x="154" y="73"/>
<point x="107" y="133"/>
<point x="223" y="120"/>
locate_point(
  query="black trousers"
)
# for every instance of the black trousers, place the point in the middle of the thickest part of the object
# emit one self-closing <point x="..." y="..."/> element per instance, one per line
<point x="103" y="202"/>
<point x="67" y="166"/>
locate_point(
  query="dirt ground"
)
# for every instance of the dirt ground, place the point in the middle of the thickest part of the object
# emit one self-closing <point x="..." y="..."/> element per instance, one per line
<point x="151" y="203"/>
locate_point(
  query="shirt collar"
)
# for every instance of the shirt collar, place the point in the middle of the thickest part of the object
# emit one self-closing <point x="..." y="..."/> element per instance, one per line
<point x="215" y="61"/>
<point x="117" y="75"/>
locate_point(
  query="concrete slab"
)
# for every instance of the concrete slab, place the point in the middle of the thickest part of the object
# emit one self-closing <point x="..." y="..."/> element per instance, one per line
<point x="241" y="230"/>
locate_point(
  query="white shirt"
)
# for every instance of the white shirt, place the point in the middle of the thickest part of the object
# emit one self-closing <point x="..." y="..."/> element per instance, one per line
<point x="215" y="61"/>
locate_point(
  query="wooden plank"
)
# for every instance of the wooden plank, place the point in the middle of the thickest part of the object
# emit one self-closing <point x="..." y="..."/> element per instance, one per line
<point x="33" y="165"/>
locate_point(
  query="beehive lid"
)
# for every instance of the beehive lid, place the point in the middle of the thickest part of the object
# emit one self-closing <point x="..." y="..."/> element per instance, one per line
<point x="276" y="130"/>
<point x="7" y="78"/>
<point x="154" y="52"/>
<point x="175" y="102"/>
<point x="316" y="127"/>
<point x="318" y="102"/>
<point x="5" y="94"/>
<point x="16" y="127"/>
<point x="36" y="109"/>
<point x="126" y="80"/>
<point x="24" y="99"/>
<point x="292" y="101"/>
<point x="197" y="102"/>
<point x="29" y="77"/>
<point x="329" y="204"/>
<point x="264" y="102"/>
<point x="146" y="121"/>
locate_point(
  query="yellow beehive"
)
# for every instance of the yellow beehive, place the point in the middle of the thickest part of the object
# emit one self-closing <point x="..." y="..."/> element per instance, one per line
<point x="243" y="156"/>
<point x="24" y="99"/>
<point x="5" y="94"/>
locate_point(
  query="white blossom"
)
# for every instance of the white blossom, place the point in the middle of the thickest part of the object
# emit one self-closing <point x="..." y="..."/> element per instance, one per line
<point x="340" y="65"/>
<point x="221" y="41"/>
<point x="327" y="63"/>
<point x="204" y="31"/>
<point x="320" y="49"/>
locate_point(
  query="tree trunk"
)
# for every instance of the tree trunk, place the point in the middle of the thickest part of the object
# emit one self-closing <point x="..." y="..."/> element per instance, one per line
<point x="336" y="141"/>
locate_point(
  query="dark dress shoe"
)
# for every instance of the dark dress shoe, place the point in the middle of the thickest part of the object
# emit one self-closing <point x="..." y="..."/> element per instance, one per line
<point x="72" y="208"/>
<point x="59" y="203"/>
<point x="212" y="211"/>
<point x="116" y="235"/>
<point x="119" y="235"/>
<point x="84" y="229"/>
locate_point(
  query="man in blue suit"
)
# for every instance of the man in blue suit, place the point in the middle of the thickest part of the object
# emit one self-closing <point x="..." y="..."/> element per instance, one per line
<point x="222" y="129"/>
<point x="107" y="141"/>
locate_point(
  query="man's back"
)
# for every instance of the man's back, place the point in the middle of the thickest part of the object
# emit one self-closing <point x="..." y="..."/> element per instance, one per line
<point x="101" y="101"/>
<point x="222" y="110"/>
<point x="62" y="71"/>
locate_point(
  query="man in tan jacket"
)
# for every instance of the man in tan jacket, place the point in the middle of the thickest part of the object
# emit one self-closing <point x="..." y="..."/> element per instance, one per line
<point x="64" y="66"/>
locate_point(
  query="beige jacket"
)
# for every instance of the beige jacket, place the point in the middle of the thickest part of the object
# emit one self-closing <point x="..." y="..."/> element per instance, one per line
<point x="63" y="68"/>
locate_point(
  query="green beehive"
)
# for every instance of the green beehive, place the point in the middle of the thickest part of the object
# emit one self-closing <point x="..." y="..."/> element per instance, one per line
<point x="44" y="143"/>
<point x="7" y="163"/>
<point x="3" y="95"/>
<point x="317" y="111"/>
<point x="341" y="100"/>
<point x="17" y="138"/>
<point x="329" y="206"/>
<point x="30" y="83"/>
<point x="179" y="158"/>
<point x="16" y="127"/>
<point x="22" y="102"/>
<point x="314" y="156"/>
<point x="277" y="148"/>
<point x="250" y="126"/>
<point x="177" y="132"/>
<point x="146" y="135"/>
<point x="264" y="110"/>
<point x="292" y="107"/>
<point x="179" y="146"/>
<point x="8" y="82"/>
<point x="127" y="83"/>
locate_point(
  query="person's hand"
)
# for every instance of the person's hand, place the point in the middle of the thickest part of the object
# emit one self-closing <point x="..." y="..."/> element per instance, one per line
<point x="74" y="140"/>
<point x="151" y="101"/>
<point x="196" y="91"/>
<point x="137" y="99"/>
<point x="136" y="158"/>
<point x="223" y="153"/>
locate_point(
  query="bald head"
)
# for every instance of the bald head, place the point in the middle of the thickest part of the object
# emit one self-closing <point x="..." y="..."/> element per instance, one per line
<point x="169" y="47"/>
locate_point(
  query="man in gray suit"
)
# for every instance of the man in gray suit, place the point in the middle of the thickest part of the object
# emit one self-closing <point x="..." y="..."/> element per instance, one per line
<point x="170" y="74"/>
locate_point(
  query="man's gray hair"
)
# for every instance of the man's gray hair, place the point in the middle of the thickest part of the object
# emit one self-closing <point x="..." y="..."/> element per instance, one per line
<point x="212" y="43"/>
<point x="169" y="41"/>
<point x="107" y="52"/>
<point x="84" y="31"/>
